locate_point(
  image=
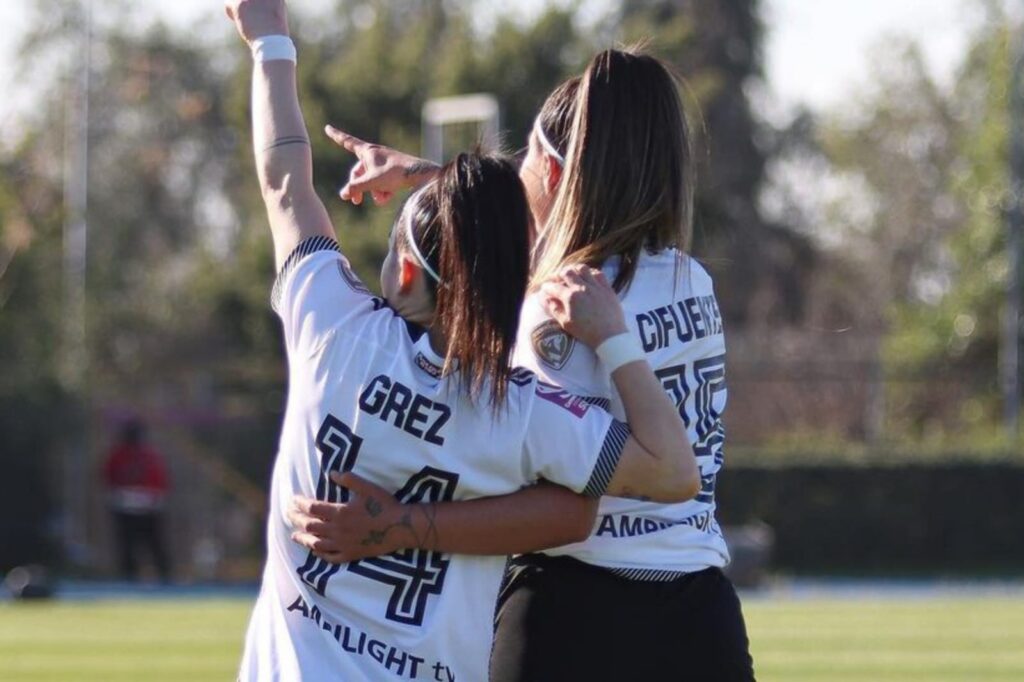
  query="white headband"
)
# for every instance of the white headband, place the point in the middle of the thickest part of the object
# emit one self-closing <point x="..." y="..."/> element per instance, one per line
<point x="546" y="143"/>
<point x="412" y="239"/>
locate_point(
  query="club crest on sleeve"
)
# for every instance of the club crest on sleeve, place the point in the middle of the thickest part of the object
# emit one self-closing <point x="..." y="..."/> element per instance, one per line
<point x="552" y="345"/>
<point x="559" y="396"/>
<point x="350" y="277"/>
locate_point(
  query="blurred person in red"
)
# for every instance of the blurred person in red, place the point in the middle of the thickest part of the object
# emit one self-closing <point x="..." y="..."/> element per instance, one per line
<point x="137" y="486"/>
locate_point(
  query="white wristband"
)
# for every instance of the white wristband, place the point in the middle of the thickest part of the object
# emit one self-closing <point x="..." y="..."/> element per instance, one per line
<point x="620" y="350"/>
<point x="273" y="48"/>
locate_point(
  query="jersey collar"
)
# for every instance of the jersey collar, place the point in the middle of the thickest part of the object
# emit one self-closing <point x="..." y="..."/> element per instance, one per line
<point x="426" y="359"/>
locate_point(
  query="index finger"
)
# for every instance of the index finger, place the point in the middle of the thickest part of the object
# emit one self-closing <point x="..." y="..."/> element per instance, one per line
<point x="349" y="142"/>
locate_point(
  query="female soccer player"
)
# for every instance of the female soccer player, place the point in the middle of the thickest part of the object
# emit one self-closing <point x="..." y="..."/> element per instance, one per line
<point x="420" y="397"/>
<point x="608" y="177"/>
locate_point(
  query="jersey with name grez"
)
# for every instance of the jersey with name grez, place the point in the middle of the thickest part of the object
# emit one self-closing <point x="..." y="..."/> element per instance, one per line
<point x="367" y="393"/>
<point x="672" y="312"/>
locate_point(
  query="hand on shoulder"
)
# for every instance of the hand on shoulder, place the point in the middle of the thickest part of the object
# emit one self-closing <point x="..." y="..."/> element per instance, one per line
<point x="582" y="301"/>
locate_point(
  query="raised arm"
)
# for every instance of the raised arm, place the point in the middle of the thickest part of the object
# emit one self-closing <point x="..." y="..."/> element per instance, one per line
<point x="284" y="160"/>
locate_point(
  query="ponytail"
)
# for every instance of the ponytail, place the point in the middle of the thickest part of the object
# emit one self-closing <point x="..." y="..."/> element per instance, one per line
<point x="627" y="183"/>
<point x="472" y="227"/>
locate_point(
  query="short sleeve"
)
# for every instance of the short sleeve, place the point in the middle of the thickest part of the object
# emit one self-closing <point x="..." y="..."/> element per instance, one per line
<point x="315" y="291"/>
<point x="572" y="442"/>
<point x="556" y="357"/>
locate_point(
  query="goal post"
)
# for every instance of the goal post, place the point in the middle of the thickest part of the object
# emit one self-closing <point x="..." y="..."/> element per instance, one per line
<point x="457" y="123"/>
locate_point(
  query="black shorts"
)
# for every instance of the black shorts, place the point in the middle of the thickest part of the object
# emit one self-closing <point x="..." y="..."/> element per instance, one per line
<point x="562" y="620"/>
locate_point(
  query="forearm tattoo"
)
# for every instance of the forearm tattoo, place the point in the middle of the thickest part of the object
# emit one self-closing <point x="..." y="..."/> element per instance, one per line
<point x="430" y="539"/>
<point x="420" y="167"/>
<point x="373" y="507"/>
<point x="285" y="141"/>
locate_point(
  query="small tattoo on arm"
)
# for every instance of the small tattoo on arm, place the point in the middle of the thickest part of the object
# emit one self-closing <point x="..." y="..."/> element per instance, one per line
<point x="374" y="537"/>
<point x="373" y="507"/>
<point x="420" y="167"/>
<point x="284" y="141"/>
<point x="429" y="541"/>
<point x="406" y="522"/>
<point x="431" y="538"/>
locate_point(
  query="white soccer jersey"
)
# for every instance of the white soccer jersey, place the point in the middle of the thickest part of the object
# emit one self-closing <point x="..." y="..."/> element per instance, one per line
<point x="366" y="394"/>
<point x="680" y="329"/>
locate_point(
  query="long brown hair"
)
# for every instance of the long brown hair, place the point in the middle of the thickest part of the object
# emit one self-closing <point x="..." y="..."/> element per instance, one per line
<point x="627" y="183"/>
<point x="472" y="226"/>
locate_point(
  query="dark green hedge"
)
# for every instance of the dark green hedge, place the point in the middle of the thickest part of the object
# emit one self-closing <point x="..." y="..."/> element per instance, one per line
<point x="915" y="519"/>
<point x="32" y="426"/>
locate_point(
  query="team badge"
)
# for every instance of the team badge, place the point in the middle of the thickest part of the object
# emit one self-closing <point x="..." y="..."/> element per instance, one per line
<point x="350" y="277"/>
<point x="552" y="345"/>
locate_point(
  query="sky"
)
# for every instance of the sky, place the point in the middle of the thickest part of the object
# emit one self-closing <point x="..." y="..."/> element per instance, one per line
<point x="816" y="51"/>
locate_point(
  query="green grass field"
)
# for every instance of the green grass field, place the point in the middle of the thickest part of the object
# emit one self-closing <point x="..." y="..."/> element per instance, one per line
<point x="869" y="640"/>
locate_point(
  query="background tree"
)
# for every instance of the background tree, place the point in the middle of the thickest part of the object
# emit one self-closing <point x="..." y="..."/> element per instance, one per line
<point x="762" y="267"/>
<point x="907" y="186"/>
<point x="883" y="219"/>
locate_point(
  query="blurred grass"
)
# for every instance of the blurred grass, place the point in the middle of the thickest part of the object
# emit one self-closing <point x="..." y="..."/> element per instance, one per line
<point x="878" y="640"/>
<point x="122" y="640"/>
<point x="803" y="640"/>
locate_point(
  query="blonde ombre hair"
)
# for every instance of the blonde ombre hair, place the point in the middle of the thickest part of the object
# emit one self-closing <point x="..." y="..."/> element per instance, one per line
<point x="627" y="183"/>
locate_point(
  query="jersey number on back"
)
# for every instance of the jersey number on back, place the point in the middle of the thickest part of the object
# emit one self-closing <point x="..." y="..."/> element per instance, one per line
<point x="338" y="447"/>
<point x="413" y="574"/>
<point x="708" y="376"/>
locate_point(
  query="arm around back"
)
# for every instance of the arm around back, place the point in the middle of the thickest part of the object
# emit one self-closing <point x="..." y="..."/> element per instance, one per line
<point x="657" y="461"/>
<point x="373" y="522"/>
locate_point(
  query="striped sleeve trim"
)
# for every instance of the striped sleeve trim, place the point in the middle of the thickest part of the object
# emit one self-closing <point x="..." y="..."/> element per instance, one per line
<point x="607" y="459"/>
<point x="306" y="247"/>
<point x="603" y="403"/>
<point x="653" y="575"/>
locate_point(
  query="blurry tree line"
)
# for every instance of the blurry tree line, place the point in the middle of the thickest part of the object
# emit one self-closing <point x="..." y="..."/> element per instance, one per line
<point x="870" y="219"/>
<point x="903" y="190"/>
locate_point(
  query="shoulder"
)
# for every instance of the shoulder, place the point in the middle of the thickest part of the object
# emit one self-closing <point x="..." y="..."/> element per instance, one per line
<point x="541" y="342"/>
<point x="312" y="253"/>
<point x="522" y="378"/>
<point x="522" y="383"/>
<point x="699" y="275"/>
<point x="667" y="273"/>
<point x="316" y="294"/>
